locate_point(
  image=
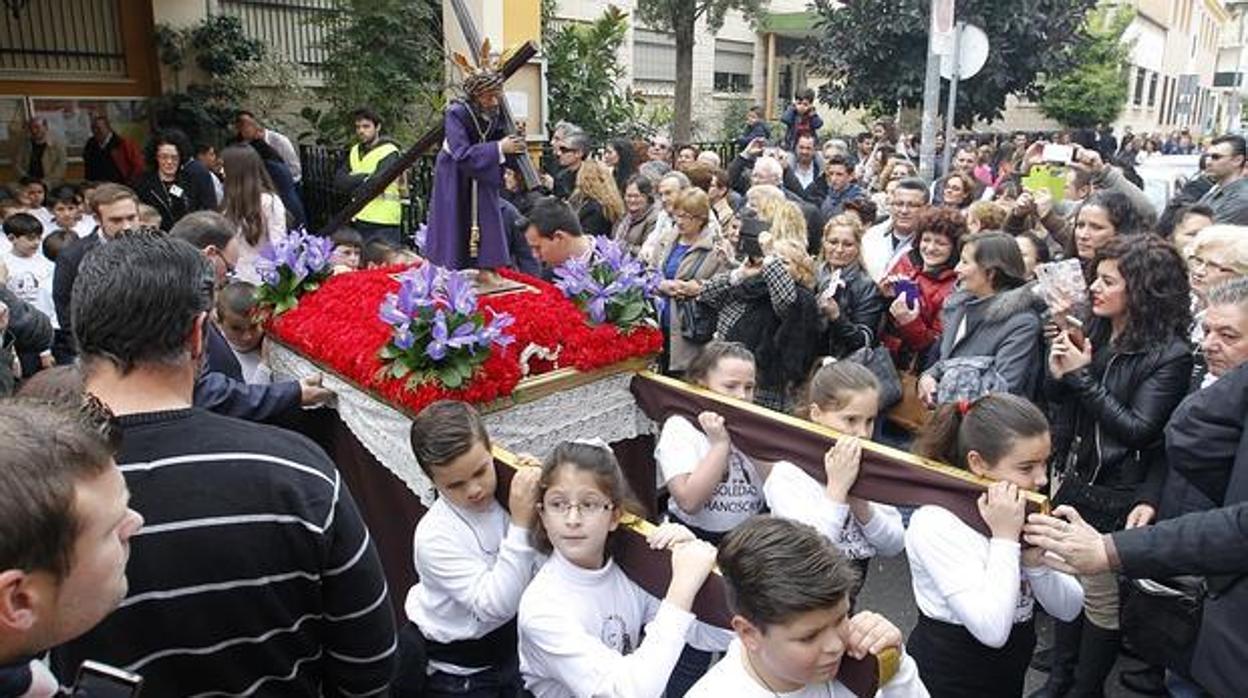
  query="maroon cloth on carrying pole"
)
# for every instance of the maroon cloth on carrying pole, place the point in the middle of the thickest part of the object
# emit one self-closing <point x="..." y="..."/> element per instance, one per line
<point x="885" y="476"/>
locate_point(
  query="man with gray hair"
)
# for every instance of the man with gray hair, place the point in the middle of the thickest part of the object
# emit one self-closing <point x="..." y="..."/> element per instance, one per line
<point x="769" y="170"/>
<point x="670" y="187"/>
<point x="571" y="152"/>
<point x="1225" y="325"/>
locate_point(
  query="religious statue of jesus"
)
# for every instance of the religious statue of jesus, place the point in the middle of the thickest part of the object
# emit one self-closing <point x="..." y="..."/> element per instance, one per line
<point x="465" y="219"/>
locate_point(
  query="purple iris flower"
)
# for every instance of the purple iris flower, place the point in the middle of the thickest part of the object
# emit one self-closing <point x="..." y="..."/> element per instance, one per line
<point x="462" y="297"/>
<point x="492" y="333"/>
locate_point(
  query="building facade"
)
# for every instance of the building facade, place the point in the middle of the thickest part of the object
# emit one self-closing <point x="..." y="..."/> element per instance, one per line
<point x="1176" y="56"/>
<point x="742" y="62"/>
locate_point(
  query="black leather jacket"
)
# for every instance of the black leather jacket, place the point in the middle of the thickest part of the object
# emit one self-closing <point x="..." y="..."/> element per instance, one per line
<point x="862" y="307"/>
<point x="1113" y="413"/>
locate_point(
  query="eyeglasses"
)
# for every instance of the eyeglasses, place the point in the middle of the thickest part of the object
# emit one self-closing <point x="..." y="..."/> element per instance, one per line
<point x="1202" y="264"/>
<point x="591" y="507"/>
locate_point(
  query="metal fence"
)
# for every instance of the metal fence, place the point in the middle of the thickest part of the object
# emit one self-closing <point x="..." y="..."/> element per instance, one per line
<point x="294" y="28"/>
<point x="322" y="200"/>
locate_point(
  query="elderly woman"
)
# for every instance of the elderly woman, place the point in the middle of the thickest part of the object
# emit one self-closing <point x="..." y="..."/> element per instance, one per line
<point x="1218" y="254"/>
<point x="686" y="259"/>
<point x="640" y="214"/>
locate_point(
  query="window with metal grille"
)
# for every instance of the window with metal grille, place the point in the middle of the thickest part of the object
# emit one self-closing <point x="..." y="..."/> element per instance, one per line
<point x="63" y="38"/>
<point x="288" y="27"/>
<point x="734" y="65"/>
<point x="654" y="56"/>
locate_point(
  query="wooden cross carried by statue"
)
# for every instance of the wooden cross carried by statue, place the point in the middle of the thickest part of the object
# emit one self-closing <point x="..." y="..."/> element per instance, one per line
<point x="379" y="181"/>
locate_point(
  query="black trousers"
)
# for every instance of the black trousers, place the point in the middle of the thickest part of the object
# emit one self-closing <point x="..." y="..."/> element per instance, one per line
<point x="953" y="664"/>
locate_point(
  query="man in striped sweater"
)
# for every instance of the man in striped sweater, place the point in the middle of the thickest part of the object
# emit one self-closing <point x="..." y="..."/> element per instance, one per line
<point x="255" y="574"/>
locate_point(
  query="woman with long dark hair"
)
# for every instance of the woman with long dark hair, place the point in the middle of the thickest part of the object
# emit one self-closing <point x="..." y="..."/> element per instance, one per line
<point x="1111" y="393"/>
<point x="252" y="206"/>
<point x="1101" y="217"/>
<point x="621" y="157"/>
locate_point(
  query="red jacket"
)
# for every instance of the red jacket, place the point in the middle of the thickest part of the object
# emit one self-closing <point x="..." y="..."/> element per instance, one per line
<point x="917" y="336"/>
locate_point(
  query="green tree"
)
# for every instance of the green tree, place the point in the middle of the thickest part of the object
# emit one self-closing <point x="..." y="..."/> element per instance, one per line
<point x="1094" y="91"/>
<point x="213" y="65"/>
<point x="387" y="55"/>
<point x="584" y="74"/>
<point x="874" y="53"/>
<point x="680" y="18"/>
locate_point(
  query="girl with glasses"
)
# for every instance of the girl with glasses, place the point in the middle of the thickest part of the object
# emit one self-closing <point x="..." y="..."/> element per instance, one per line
<point x="581" y="618"/>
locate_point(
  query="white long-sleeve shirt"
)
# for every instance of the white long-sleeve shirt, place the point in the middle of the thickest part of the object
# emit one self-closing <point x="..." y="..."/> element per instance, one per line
<point x="963" y="577"/>
<point x="729" y="677"/>
<point x="580" y="634"/>
<point x="792" y="494"/>
<point x="473" y="567"/>
<point x="680" y="448"/>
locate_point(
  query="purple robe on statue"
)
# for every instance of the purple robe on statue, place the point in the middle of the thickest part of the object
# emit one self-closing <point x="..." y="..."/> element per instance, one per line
<point x="467" y="156"/>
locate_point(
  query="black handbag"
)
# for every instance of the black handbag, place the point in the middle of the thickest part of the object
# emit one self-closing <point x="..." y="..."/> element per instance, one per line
<point x="877" y="360"/>
<point x="1162" y="619"/>
<point x="697" y="319"/>
<point x="1105" y="508"/>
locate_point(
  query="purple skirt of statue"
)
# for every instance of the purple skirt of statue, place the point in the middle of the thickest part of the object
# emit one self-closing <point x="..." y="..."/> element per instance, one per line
<point x="470" y="153"/>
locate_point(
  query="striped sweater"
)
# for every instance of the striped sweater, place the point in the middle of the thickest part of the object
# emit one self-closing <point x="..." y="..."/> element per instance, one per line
<point x="253" y="574"/>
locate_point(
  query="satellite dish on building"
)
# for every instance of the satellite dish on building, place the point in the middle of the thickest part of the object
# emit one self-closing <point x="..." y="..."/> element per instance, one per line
<point x="972" y="54"/>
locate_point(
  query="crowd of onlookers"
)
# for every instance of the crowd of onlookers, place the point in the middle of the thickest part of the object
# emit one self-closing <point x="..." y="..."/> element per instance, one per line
<point x="1065" y="337"/>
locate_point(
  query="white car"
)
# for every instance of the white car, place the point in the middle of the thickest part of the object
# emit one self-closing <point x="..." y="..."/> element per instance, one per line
<point x="1165" y="175"/>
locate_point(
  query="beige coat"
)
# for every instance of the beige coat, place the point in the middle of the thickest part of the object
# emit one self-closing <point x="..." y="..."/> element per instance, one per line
<point x="681" y="352"/>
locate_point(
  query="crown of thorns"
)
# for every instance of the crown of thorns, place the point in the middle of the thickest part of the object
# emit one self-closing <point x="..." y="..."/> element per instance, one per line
<point x="485" y="76"/>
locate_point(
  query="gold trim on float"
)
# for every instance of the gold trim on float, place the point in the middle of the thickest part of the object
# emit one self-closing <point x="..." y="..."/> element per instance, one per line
<point x="806" y="425"/>
<point x="527" y="390"/>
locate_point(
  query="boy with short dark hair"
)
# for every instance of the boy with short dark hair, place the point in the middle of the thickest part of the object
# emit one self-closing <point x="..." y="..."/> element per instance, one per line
<point x="474" y="560"/>
<point x="348" y="248"/>
<point x="67" y="212"/>
<point x="755" y="127"/>
<point x="236" y="305"/>
<point x="30" y="275"/>
<point x="788" y="589"/>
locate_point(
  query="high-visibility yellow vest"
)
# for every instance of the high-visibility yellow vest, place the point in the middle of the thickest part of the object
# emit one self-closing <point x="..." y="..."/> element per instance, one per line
<point x="385" y="209"/>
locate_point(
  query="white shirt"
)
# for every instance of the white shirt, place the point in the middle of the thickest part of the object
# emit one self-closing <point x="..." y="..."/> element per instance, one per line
<point x="84" y="227"/>
<point x="273" y="215"/>
<point x="255" y="372"/>
<point x="729" y="677"/>
<point x="664" y="226"/>
<point x="30" y="279"/>
<point x="286" y="149"/>
<point x="736" y="498"/>
<point x="792" y="494"/>
<point x="473" y="568"/>
<point x="580" y="634"/>
<point x="963" y="577"/>
<point x="878" y="252"/>
<point x="806" y="176"/>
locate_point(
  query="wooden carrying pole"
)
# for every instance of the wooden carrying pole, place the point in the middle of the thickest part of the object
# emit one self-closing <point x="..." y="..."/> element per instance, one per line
<point x="652" y="571"/>
<point x="377" y="184"/>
